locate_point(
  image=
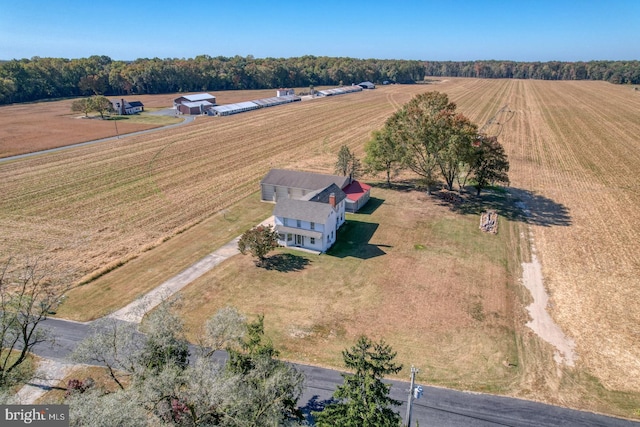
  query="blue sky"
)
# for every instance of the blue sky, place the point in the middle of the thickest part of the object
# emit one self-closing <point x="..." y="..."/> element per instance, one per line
<point x="523" y="30"/>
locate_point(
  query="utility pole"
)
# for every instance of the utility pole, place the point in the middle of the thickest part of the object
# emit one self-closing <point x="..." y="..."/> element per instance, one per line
<point x="414" y="371"/>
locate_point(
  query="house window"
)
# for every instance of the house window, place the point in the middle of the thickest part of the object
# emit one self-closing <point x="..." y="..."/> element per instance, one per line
<point x="328" y="239"/>
<point x="285" y="221"/>
<point x="289" y="237"/>
<point x="313" y="240"/>
<point x="280" y="236"/>
<point x="298" y="223"/>
<point x="313" y="225"/>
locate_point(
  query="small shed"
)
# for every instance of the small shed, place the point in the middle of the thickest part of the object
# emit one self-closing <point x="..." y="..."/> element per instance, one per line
<point x="358" y="194"/>
<point x="367" y="85"/>
<point x="285" y="92"/>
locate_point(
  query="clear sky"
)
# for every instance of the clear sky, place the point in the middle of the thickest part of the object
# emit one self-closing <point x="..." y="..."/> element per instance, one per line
<point x="522" y="30"/>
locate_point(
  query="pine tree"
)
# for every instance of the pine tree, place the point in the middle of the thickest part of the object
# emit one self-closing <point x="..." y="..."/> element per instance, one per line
<point x="363" y="399"/>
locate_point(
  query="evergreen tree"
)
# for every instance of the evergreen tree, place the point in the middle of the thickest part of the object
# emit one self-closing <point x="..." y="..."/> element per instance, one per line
<point x="363" y="400"/>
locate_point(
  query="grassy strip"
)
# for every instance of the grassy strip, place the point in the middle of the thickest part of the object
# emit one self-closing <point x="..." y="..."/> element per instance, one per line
<point x="122" y="285"/>
<point x="148" y="119"/>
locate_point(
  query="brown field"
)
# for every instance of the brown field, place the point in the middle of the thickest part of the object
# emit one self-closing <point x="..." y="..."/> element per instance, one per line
<point x="26" y="128"/>
<point x="572" y="145"/>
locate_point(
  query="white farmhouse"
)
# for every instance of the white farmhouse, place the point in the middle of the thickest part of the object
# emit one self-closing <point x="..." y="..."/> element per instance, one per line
<point x="313" y="221"/>
<point x="310" y="207"/>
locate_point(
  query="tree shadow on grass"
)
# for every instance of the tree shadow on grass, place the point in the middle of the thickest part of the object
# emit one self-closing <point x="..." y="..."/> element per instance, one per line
<point x="514" y="204"/>
<point x="285" y="263"/>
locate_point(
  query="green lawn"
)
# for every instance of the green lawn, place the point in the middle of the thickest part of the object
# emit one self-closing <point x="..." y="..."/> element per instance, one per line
<point x="446" y="306"/>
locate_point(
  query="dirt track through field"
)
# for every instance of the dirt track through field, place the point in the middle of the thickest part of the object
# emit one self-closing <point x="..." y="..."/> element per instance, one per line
<point x="574" y="146"/>
<point x="541" y="322"/>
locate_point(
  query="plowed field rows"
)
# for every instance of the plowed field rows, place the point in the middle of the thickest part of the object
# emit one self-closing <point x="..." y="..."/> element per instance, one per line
<point x="576" y="145"/>
<point x="574" y="152"/>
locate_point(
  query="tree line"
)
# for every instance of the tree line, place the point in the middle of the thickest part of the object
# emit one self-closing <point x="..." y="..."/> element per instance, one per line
<point x="160" y="382"/>
<point x="23" y="80"/>
<point x="619" y="72"/>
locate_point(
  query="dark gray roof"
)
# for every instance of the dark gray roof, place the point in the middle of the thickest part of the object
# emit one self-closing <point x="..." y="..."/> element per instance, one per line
<point x="135" y="103"/>
<point x="367" y="85"/>
<point x="305" y="180"/>
<point x="302" y="210"/>
<point x="323" y="195"/>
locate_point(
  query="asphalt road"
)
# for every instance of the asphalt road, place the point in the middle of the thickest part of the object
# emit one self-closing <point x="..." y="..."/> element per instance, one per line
<point x="438" y="406"/>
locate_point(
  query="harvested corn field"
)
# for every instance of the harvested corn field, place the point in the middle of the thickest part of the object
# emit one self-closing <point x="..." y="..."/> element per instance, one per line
<point x="574" y="153"/>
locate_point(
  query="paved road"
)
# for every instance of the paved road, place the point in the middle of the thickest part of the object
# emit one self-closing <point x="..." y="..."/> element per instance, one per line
<point x="438" y="406"/>
<point x="187" y="119"/>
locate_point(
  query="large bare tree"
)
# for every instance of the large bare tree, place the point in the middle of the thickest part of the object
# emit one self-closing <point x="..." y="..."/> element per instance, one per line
<point x="28" y="294"/>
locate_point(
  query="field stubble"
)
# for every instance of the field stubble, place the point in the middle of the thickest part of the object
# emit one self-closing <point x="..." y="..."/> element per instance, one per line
<point x="572" y="145"/>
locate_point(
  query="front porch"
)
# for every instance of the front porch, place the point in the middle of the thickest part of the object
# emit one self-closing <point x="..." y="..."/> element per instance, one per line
<point x="296" y="238"/>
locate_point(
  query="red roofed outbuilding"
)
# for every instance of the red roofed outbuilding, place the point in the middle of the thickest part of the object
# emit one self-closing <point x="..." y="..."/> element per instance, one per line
<point x="357" y="195"/>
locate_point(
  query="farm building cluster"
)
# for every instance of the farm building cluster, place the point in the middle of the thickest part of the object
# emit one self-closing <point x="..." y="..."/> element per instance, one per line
<point x="205" y="103"/>
<point x="310" y="207"/>
<point x="241" y="107"/>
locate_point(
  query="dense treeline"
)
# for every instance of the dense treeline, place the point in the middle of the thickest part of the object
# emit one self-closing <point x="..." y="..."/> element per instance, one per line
<point x="38" y="78"/>
<point x="610" y="71"/>
<point x="41" y="78"/>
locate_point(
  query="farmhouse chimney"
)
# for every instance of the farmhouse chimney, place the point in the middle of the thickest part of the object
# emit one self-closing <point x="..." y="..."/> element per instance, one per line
<point x="123" y="111"/>
<point x="332" y="200"/>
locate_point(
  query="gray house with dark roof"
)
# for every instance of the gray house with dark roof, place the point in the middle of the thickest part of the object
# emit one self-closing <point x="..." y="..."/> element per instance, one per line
<point x="309" y="207"/>
<point x="281" y="184"/>
<point x="122" y="107"/>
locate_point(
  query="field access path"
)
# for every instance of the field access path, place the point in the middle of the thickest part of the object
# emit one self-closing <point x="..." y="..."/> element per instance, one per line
<point x="136" y="310"/>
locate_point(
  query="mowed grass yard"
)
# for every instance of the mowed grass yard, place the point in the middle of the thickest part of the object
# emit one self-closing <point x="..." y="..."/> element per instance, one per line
<point x="409" y="270"/>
